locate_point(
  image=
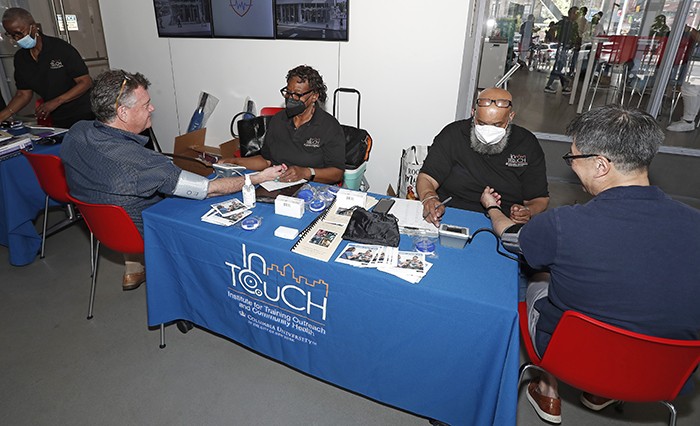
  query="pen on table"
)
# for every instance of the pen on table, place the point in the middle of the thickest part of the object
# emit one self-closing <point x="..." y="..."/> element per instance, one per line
<point x="442" y="203"/>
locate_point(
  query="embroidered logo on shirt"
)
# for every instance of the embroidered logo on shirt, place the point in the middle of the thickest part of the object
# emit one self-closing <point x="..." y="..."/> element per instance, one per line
<point x="56" y="64"/>
<point x="312" y="143"/>
<point x="517" y="160"/>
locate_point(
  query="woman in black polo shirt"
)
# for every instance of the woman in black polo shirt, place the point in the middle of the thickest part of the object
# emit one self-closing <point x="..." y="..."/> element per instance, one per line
<point x="304" y="137"/>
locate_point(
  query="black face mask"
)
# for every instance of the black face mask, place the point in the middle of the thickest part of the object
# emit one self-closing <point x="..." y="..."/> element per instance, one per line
<point x="293" y="107"/>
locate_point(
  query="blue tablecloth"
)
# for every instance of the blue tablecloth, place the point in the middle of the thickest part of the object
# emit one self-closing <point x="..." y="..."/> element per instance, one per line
<point x="21" y="200"/>
<point x="446" y="348"/>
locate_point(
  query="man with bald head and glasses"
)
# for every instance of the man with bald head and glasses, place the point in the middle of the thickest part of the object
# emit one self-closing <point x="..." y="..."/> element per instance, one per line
<point x="50" y="67"/>
<point x="485" y="150"/>
<point x="106" y="161"/>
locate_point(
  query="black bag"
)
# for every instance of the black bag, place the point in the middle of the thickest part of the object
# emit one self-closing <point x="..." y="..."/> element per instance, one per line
<point x="358" y="143"/>
<point x="373" y="228"/>
<point x="251" y="133"/>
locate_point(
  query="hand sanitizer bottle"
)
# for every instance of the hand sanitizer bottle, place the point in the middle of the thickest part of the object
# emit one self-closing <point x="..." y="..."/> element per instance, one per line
<point x="248" y="193"/>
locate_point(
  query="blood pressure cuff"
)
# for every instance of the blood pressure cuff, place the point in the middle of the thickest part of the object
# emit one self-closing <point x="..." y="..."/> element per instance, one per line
<point x="191" y="185"/>
<point x="510" y="238"/>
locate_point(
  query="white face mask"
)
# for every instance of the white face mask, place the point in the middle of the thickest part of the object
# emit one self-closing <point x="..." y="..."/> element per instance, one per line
<point x="488" y="134"/>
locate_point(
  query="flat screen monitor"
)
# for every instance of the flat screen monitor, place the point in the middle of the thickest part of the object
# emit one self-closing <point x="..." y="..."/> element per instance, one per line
<point x="177" y="18"/>
<point x="311" y="20"/>
<point x="243" y="18"/>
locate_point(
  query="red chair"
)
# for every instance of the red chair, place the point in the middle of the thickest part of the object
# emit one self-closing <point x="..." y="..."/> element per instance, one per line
<point x="266" y="111"/>
<point x="52" y="179"/>
<point x="611" y="362"/>
<point x="113" y="227"/>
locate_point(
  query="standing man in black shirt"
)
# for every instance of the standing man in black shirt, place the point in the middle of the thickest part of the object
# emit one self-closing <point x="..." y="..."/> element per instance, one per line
<point x="50" y="67"/>
<point x="485" y="150"/>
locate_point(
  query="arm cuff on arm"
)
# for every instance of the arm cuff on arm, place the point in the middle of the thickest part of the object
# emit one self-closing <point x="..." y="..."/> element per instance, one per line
<point x="191" y="185"/>
<point x="510" y="238"/>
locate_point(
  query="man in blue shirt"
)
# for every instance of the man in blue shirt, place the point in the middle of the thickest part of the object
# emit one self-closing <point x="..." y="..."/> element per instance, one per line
<point x="628" y="257"/>
<point x="106" y="161"/>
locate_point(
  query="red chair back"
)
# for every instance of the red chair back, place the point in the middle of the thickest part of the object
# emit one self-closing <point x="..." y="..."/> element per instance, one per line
<point x="50" y="174"/>
<point x="112" y="226"/>
<point x="270" y="110"/>
<point x="608" y="361"/>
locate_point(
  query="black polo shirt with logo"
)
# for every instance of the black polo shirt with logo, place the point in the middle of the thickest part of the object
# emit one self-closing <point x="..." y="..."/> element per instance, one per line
<point x="518" y="173"/>
<point x="52" y="75"/>
<point x="319" y="143"/>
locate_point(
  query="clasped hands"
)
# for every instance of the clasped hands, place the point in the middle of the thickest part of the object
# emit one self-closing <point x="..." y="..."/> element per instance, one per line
<point x="46" y="108"/>
<point x="518" y="212"/>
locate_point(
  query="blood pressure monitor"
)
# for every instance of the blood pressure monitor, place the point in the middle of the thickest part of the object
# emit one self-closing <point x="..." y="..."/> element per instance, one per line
<point x="453" y="236"/>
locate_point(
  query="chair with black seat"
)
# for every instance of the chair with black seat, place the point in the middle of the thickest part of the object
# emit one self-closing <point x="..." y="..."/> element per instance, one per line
<point x="113" y="227"/>
<point x="610" y="362"/>
<point x="50" y="173"/>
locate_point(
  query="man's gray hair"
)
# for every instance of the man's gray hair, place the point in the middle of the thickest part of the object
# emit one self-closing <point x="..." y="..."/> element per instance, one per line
<point x="629" y="137"/>
<point x="113" y="88"/>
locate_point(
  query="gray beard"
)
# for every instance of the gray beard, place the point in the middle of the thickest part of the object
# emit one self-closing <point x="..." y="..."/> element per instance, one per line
<point x="483" y="149"/>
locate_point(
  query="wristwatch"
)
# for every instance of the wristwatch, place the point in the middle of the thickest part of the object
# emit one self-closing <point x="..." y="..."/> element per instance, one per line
<point x="313" y="174"/>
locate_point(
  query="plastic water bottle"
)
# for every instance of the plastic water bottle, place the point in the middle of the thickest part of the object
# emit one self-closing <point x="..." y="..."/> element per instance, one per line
<point x="248" y="193"/>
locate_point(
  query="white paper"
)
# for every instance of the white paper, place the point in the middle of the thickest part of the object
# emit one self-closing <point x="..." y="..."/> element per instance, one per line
<point x="410" y="215"/>
<point x="273" y="185"/>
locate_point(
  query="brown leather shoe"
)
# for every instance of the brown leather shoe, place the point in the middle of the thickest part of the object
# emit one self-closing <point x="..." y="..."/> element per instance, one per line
<point x="549" y="409"/>
<point x="133" y="281"/>
<point x="595" y="402"/>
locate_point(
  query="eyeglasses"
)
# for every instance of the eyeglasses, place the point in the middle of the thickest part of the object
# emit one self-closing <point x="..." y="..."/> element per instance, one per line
<point x="121" y="90"/>
<point x="569" y="157"/>
<point x="287" y="94"/>
<point x="500" y="103"/>
<point x="17" y="35"/>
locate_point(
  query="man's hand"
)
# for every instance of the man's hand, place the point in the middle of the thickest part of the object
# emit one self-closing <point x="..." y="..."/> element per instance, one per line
<point x="46" y="108"/>
<point x="490" y="198"/>
<point x="270" y="173"/>
<point x="294" y="173"/>
<point x="520" y="214"/>
<point x="433" y="211"/>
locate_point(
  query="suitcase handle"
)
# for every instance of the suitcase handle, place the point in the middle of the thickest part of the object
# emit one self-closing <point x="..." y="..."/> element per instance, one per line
<point x="346" y="90"/>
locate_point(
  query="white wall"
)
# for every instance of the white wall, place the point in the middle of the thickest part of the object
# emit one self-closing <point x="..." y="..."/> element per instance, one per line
<point x="405" y="58"/>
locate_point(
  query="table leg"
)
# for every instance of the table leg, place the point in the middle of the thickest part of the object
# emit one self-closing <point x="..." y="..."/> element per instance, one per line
<point x="162" y="336"/>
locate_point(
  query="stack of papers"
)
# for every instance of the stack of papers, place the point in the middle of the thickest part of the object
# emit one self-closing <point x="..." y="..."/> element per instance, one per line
<point x="407" y="265"/>
<point x="226" y="213"/>
<point x="12" y="146"/>
<point x="410" y="216"/>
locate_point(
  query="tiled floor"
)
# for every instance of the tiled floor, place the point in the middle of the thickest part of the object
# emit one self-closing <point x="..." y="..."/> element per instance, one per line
<point x="60" y="369"/>
<point x="550" y="113"/>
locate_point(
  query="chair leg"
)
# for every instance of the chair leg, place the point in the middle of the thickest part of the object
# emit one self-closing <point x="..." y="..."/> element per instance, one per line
<point x="92" y="254"/>
<point x="672" y="410"/>
<point x="162" y="336"/>
<point x="524" y="368"/>
<point x="94" y="280"/>
<point x="43" y="232"/>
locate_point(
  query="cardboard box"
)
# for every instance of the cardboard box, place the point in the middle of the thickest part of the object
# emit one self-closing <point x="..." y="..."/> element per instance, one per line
<point x="191" y="154"/>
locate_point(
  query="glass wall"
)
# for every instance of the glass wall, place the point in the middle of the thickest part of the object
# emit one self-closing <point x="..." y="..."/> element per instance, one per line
<point x="603" y="52"/>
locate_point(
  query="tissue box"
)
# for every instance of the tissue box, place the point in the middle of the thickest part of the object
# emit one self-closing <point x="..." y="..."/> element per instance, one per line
<point x="289" y="206"/>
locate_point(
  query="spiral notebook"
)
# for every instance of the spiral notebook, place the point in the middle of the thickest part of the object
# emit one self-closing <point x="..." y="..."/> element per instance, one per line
<point x="320" y="239"/>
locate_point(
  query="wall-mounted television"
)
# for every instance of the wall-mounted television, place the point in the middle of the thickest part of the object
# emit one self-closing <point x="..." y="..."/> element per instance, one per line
<point x="311" y="20"/>
<point x="322" y="20"/>
<point x="183" y="18"/>
<point x="243" y="18"/>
